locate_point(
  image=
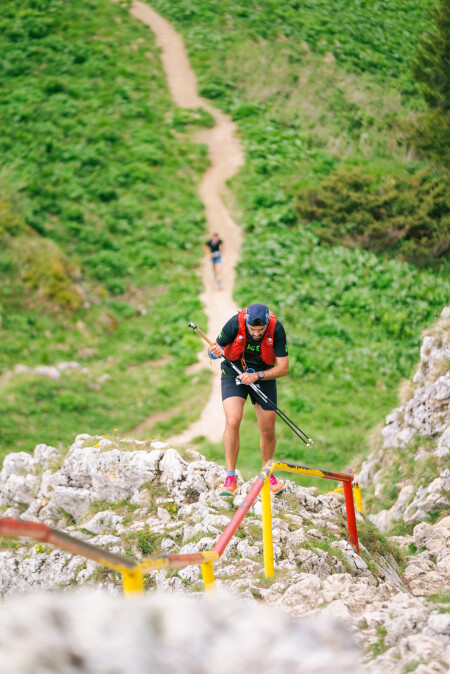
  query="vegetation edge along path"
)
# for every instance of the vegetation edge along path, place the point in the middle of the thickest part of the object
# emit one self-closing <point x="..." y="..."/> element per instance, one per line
<point x="226" y="157"/>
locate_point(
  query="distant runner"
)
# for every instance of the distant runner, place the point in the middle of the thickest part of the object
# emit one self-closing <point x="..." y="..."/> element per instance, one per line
<point x="213" y="248"/>
<point x="255" y="341"/>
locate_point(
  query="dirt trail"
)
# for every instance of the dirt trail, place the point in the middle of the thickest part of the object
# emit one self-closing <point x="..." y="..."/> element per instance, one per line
<point x="226" y="157"/>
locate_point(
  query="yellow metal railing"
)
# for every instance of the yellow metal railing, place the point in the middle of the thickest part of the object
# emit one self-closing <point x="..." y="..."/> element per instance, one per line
<point x="356" y="494"/>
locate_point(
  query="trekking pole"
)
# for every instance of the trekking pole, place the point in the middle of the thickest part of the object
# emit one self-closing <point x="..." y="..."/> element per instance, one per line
<point x="291" y="424"/>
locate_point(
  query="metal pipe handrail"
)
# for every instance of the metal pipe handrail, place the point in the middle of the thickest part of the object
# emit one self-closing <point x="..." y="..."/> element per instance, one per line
<point x="133" y="569"/>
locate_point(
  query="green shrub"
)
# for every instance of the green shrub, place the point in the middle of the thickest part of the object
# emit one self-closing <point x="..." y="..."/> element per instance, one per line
<point x="407" y="216"/>
<point x="11" y="224"/>
<point x="70" y="401"/>
<point x="376" y="543"/>
<point x="147" y="542"/>
<point x="430" y="135"/>
<point x="184" y="118"/>
<point x="107" y="264"/>
<point x="49" y="275"/>
<point x="430" y="68"/>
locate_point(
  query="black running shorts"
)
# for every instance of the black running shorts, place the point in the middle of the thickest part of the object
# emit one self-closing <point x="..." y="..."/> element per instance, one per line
<point x="230" y="389"/>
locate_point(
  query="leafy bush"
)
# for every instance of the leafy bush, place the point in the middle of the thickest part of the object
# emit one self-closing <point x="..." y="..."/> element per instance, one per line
<point x="49" y="274"/>
<point x="431" y="136"/>
<point x="183" y="118"/>
<point x="70" y="401"/>
<point x="11" y="224"/>
<point x="407" y="215"/>
<point x="108" y="264"/>
<point x="430" y="68"/>
<point x="362" y="36"/>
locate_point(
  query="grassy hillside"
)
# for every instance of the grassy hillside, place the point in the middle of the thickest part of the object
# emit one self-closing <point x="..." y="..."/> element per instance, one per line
<point x="317" y="88"/>
<point x="100" y="226"/>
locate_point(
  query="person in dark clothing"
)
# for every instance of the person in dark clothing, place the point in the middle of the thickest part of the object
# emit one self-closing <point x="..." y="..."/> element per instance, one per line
<point x="255" y="341"/>
<point x="213" y="247"/>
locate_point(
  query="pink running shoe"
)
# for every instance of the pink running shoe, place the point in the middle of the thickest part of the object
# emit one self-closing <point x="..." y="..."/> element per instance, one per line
<point x="230" y="487"/>
<point x="276" y="486"/>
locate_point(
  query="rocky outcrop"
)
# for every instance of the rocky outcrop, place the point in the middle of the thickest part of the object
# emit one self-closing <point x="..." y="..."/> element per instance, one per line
<point x="60" y="370"/>
<point x="144" y="498"/>
<point x="99" y="488"/>
<point x="416" y="435"/>
<point x="426" y="413"/>
<point x="169" y="634"/>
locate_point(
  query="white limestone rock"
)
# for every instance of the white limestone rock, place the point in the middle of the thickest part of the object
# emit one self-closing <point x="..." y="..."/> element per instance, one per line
<point x="190" y="574"/>
<point x="357" y="564"/>
<point x="74" y="501"/>
<point x="171" y="634"/>
<point x="19" y="463"/>
<point x="434" y="497"/>
<point x="103" y="522"/>
<point x="20" y="489"/>
<point x="313" y="580"/>
<point x="443" y="445"/>
<point x="44" y="455"/>
<point x="158" y="445"/>
<point x="384" y="518"/>
<point x="247" y="550"/>
<point x="48" y="371"/>
<point x="172" y="467"/>
<point x="112" y="475"/>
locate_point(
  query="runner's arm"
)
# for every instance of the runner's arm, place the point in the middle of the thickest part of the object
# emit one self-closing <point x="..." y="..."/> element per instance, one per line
<point x="227" y="335"/>
<point x="279" y="370"/>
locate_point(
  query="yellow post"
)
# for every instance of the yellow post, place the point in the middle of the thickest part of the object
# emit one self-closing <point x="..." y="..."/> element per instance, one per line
<point x="358" y="499"/>
<point x="132" y="581"/>
<point x="267" y="529"/>
<point x="208" y="577"/>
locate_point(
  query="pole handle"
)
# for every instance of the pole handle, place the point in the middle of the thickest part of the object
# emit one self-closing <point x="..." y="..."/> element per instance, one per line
<point x="201" y="333"/>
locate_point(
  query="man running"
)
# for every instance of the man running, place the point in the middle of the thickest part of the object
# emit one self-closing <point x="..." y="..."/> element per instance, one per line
<point x="213" y="248"/>
<point x="255" y="341"/>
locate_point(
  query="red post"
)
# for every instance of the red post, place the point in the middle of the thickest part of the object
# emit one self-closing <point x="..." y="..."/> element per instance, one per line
<point x="350" y="508"/>
<point x="239" y="514"/>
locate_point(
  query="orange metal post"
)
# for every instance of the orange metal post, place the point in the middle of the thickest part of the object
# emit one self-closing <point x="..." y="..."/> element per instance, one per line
<point x="240" y="514"/>
<point x="351" y="519"/>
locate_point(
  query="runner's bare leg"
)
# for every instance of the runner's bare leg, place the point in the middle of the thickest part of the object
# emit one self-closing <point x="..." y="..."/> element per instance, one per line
<point x="218" y="269"/>
<point x="266" y="422"/>
<point x="234" y="409"/>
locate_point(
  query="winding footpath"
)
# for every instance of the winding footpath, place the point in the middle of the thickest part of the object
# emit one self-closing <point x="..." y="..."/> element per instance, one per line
<point x="225" y="156"/>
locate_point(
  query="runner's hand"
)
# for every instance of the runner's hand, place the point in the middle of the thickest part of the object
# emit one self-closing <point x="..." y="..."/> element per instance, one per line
<point x="215" y="350"/>
<point x="248" y="378"/>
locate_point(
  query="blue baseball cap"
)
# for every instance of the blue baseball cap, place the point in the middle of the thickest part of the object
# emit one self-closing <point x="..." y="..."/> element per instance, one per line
<point x="257" y="314"/>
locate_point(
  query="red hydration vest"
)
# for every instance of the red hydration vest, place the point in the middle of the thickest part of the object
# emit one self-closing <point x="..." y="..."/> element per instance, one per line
<point x="235" y="350"/>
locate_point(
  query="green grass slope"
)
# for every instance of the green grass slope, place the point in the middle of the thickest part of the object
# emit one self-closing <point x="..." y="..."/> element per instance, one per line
<point x="100" y="226"/>
<point x="101" y="229"/>
<point x="318" y="88"/>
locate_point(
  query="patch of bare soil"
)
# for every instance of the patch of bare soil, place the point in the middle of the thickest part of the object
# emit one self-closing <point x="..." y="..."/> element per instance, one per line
<point x="226" y="156"/>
